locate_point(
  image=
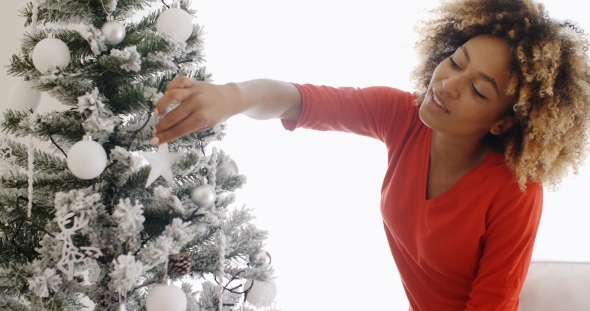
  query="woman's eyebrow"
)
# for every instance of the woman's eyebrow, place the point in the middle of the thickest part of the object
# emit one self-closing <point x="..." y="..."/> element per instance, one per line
<point x="490" y="80"/>
<point x="464" y="49"/>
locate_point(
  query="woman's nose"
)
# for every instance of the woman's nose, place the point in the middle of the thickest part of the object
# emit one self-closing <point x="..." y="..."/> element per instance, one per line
<point x="449" y="86"/>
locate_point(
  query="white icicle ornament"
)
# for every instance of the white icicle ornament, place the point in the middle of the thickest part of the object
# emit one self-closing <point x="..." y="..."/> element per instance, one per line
<point x="175" y="22"/>
<point x="22" y="95"/>
<point x="262" y="294"/>
<point x="166" y="298"/>
<point x="87" y="159"/>
<point x="113" y="31"/>
<point x="50" y="53"/>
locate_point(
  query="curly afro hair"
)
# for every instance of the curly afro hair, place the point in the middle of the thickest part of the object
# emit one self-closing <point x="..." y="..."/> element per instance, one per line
<point x="549" y="80"/>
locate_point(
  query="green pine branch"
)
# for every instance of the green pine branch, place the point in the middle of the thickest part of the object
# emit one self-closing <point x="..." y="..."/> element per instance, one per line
<point x="12" y="303"/>
<point x="124" y="135"/>
<point x="77" y="12"/>
<point x="16" y="246"/>
<point x="135" y="30"/>
<point x="149" y="41"/>
<point x="191" y="141"/>
<point x="195" y="41"/>
<point x="43" y="161"/>
<point x="67" y="89"/>
<point x="42" y="207"/>
<point x="63" y="126"/>
<point x="13" y="278"/>
<point x="134" y="188"/>
<point x="21" y="66"/>
<point x="128" y="101"/>
<point x="199" y="74"/>
<point x="70" y="12"/>
<point x="63" y="181"/>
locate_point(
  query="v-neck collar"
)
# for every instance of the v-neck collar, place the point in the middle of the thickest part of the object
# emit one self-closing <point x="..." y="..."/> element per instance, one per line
<point x="453" y="189"/>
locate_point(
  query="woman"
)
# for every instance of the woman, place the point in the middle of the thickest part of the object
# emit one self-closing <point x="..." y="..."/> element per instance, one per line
<point x="500" y="109"/>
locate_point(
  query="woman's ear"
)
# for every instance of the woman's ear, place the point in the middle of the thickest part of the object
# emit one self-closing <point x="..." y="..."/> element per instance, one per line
<point x="503" y="125"/>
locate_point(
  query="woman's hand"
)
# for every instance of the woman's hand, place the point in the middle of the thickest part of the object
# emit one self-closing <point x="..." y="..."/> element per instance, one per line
<point x="204" y="105"/>
<point x="201" y="106"/>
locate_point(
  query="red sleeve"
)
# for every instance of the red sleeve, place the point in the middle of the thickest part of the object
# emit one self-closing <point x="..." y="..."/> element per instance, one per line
<point x="512" y="224"/>
<point x="371" y="111"/>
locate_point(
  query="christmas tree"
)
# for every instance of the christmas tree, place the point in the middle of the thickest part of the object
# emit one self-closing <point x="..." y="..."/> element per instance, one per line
<point x="104" y="220"/>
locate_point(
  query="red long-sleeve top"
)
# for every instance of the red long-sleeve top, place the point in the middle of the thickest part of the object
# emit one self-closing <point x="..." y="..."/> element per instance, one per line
<point x="467" y="249"/>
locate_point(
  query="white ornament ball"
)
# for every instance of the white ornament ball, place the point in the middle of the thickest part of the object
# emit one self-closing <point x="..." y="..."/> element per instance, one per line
<point x="166" y="298"/>
<point x="175" y="22"/>
<point x="22" y="95"/>
<point x="203" y="195"/>
<point x="50" y="53"/>
<point x="230" y="168"/>
<point x="113" y="31"/>
<point x="87" y="159"/>
<point x="262" y="294"/>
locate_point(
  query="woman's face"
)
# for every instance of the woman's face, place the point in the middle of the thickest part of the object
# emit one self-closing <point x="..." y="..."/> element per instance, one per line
<point x="467" y="93"/>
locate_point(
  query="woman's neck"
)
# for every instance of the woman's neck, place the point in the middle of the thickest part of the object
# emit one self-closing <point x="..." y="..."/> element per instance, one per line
<point x="456" y="154"/>
<point x="450" y="159"/>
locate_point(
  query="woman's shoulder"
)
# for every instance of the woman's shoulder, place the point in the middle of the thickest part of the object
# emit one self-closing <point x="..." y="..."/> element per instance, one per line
<point x="496" y="176"/>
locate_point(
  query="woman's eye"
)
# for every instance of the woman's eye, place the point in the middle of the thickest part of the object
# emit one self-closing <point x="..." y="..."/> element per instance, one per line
<point x="453" y="63"/>
<point x="477" y="93"/>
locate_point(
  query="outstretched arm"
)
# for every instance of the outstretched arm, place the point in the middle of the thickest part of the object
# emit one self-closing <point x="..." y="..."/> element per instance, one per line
<point x="204" y="105"/>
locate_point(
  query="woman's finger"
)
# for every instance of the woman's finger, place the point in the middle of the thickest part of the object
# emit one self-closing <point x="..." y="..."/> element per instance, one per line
<point x="177" y="95"/>
<point x="175" y="116"/>
<point x="186" y="126"/>
<point x="180" y="83"/>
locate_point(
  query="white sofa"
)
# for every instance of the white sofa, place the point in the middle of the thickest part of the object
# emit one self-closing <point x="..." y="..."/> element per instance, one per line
<point x="556" y="286"/>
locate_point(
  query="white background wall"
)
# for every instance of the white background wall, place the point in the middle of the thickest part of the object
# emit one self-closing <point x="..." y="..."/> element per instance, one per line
<point x="318" y="193"/>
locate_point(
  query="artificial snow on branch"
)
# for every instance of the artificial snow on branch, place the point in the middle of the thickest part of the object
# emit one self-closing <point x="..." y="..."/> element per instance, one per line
<point x="129" y="219"/>
<point x="125" y="273"/>
<point x="95" y="39"/>
<point x="129" y="59"/>
<point x="42" y="283"/>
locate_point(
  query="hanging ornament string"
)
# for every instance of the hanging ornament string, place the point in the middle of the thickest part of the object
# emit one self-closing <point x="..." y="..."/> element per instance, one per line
<point x="112" y="6"/>
<point x="53" y="140"/>
<point x="103" y="8"/>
